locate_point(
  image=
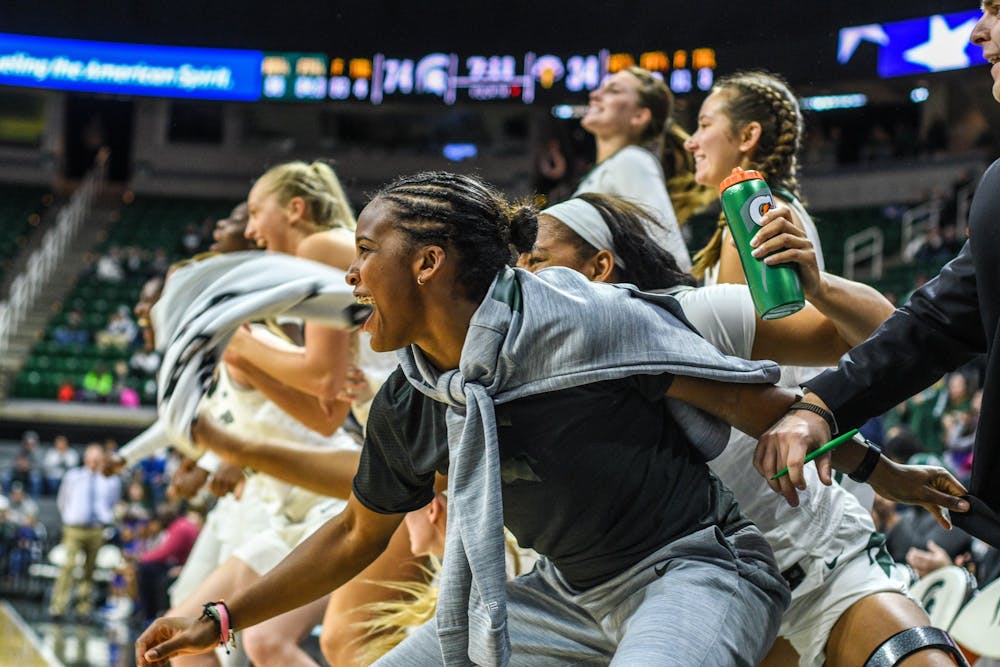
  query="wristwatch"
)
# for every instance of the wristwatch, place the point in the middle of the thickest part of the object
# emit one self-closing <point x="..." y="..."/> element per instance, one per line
<point x="867" y="465"/>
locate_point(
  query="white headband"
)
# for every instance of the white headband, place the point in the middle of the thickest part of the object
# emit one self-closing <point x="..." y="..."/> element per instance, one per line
<point x="588" y="223"/>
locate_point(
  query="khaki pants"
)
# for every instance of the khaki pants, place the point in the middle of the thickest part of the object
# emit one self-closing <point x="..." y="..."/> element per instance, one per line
<point x="89" y="539"/>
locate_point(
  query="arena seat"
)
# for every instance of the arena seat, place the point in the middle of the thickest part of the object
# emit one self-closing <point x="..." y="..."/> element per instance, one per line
<point x="148" y="223"/>
<point x="20" y="210"/>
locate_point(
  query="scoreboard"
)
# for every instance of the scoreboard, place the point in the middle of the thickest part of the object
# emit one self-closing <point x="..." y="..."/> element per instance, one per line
<point x="248" y="75"/>
<point x="452" y="78"/>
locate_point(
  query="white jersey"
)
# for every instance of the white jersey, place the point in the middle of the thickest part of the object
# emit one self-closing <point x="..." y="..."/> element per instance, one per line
<point x="724" y="315"/>
<point x="635" y="174"/>
<point x="793" y="376"/>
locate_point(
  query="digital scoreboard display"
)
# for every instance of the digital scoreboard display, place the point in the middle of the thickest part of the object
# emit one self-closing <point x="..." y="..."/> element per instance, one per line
<point x="246" y="75"/>
<point x="452" y="78"/>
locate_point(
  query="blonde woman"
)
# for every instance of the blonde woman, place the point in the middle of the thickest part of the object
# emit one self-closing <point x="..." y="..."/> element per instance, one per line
<point x="640" y="154"/>
<point x="298" y="209"/>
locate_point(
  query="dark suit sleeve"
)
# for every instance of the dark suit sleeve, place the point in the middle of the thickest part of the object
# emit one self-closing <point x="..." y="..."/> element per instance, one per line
<point x="938" y="330"/>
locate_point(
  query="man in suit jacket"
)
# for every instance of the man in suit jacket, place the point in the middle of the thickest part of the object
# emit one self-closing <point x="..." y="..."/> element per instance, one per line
<point x="946" y="322"/>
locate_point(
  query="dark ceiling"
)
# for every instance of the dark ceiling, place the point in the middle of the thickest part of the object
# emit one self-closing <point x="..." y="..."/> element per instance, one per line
<point x="415" y="26"/>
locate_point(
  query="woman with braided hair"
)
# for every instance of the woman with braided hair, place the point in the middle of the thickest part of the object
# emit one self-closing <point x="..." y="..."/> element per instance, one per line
<point x="841" y="576"/>
<point x="631" y="526"/>
<point x="641" y="156"/>
<point x="618" y="500"/>
<point x="750" y="120"/>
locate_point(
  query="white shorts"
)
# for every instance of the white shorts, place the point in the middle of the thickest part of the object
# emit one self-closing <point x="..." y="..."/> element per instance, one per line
<point x="214" y="545"/>
<point x="269" y="547"/>
<point x="856" y="565"/>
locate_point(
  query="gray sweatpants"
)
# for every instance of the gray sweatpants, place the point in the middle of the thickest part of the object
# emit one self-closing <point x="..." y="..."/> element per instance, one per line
<point x="704" y="599"/>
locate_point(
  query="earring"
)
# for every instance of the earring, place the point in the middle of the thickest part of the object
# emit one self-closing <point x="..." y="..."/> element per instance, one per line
<point x="419" y="281"/>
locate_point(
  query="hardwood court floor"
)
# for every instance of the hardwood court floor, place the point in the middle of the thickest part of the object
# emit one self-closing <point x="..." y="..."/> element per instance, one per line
<point x="18" y="645"/>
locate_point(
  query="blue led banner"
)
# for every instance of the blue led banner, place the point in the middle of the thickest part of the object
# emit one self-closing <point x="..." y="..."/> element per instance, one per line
<point x="130" y="69"/>
<point x="917" y="46"/>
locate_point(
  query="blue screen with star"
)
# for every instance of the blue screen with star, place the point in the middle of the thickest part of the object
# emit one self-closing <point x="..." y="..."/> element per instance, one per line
<point x="931" y="44"/>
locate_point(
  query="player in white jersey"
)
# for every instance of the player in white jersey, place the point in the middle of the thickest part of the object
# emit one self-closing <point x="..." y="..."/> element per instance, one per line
<point x="827" y="548"/>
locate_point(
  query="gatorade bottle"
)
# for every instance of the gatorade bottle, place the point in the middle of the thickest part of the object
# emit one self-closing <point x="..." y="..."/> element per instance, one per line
<point x="776" y="290"/>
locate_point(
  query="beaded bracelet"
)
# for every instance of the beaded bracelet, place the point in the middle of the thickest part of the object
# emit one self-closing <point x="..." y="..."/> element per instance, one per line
<point x="218" y="613"/>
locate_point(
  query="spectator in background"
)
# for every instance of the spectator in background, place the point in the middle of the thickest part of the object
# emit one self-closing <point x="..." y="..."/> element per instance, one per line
<point x="933" y="249"/>
<point x="952" y="402"/>
<point x="120" y="331"/>
<point x="163" y="561"/>
<point x="133" y="516"/>
<point x="121" y="392"/>
<point x="73" y="331"/>
<point x="960" y="436"/>
<point x="23" y="474"/>
<point x="160" y="262"/>
<point x="97" y="385"/>
<point x="66" y="391"/>
<point x="109" y="267"/>
<point x="190" y="241"/>
<point x="134" y="262"/>
<point x="28" y="545"/>
<point x="57" y="460"/>
<point x="145" y="362"/>
<point x="936" y="140"/>
<point x="917" y="414"/>
<point x="86" y="500"/>
<point x="26" y="468"/>
<point x="19" y="504"/>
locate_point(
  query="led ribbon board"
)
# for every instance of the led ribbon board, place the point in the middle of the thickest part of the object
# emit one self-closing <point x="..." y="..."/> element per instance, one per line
<point x="130" y="69"/>
<point x="917" y="46"/>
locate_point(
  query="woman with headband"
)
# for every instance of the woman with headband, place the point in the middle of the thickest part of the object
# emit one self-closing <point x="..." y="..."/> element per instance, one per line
<point x="828" y="548"/>
<point x="634" y="526"/>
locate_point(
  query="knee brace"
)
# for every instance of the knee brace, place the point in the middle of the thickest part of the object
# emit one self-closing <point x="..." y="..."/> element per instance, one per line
<point x="907" y="642"/>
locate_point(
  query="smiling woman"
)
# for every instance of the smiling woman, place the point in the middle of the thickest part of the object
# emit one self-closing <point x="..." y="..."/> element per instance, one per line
<point x="488" y="354"/>
<point x="640" y="154"/>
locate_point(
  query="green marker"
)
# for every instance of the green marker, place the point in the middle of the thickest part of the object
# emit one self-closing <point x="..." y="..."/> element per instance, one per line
<point x="833" y="444"/>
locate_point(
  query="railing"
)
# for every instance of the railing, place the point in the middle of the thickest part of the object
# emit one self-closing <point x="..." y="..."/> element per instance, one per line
<point x="917" y="221"/>
<point x="866" y="245"/>
<point x="41" y="264"/>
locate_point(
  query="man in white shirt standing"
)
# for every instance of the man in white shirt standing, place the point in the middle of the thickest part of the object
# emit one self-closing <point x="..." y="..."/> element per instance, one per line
<point x="85" y="500"/>
<point x="58" y="460"/>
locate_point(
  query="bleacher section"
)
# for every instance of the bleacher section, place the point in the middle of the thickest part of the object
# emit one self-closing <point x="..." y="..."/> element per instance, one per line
<point x="20" y="210"/>
<point x="147" y="223"/>
<point x="151" y="222"/>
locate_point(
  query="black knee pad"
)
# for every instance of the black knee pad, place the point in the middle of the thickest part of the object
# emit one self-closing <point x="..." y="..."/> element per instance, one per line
<point x="907" y="642"/>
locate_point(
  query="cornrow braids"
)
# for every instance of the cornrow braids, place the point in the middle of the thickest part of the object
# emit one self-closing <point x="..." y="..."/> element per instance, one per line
<point x="464" y="213"/>
<point x="646" y="264"/>
<point x="765" y="98"/>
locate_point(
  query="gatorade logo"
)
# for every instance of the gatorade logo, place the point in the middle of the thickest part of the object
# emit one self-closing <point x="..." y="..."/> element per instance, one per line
<point x="752" y="212"/>
<point x="755" y="209"/>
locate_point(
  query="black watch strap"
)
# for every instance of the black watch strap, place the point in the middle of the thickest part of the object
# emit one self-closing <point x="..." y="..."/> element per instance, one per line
<point x="825" y="414"/>
<point x="867" y="466"/>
